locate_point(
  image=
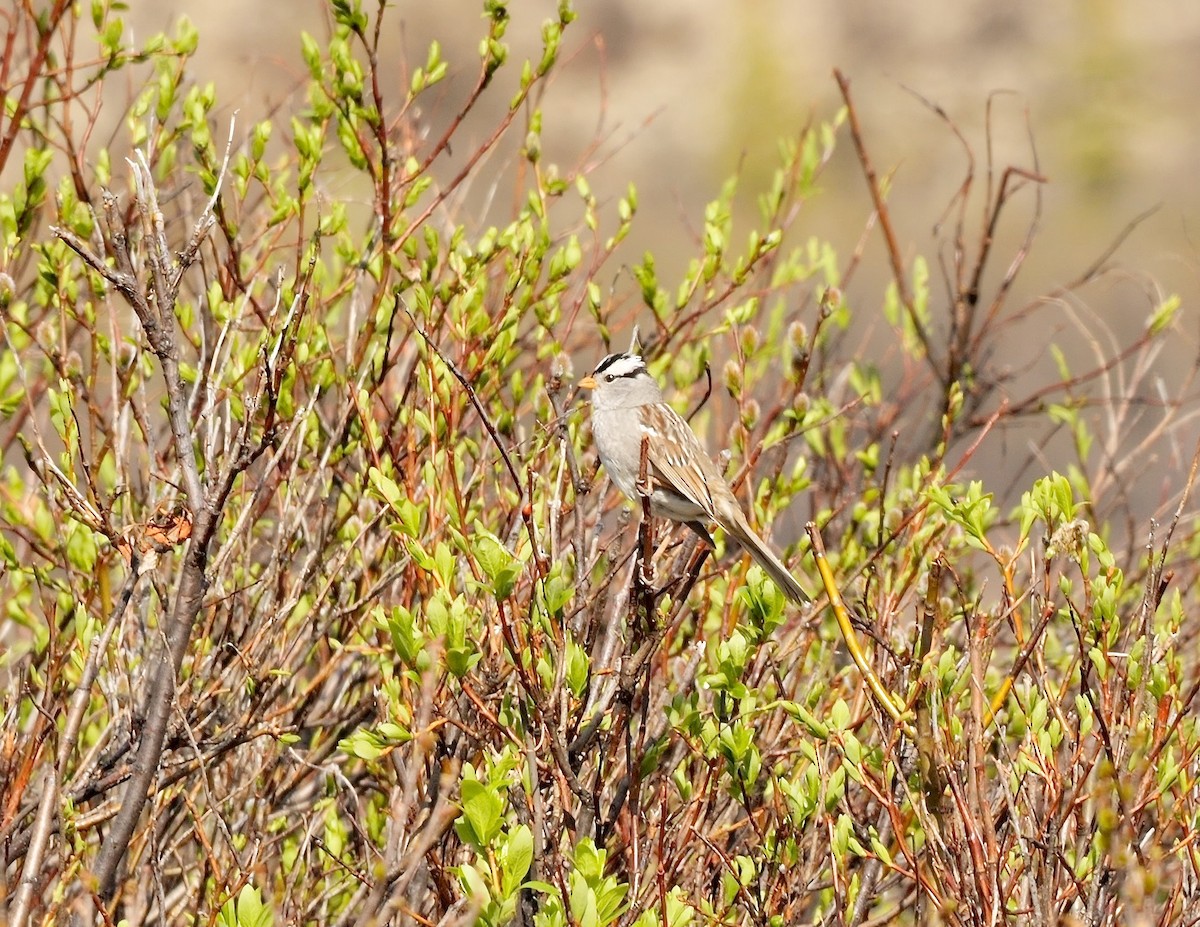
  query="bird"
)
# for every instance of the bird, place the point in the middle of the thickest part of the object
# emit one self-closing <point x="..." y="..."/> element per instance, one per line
<point x="685" y="484"/>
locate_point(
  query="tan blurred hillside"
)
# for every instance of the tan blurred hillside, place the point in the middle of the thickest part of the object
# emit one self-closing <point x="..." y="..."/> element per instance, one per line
<point x="693" y="88"/>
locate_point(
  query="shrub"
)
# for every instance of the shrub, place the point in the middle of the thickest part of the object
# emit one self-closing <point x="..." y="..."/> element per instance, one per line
<point x="316" y="610"/>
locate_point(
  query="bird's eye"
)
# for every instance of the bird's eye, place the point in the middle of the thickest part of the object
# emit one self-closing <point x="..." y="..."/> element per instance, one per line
<point x="609" y="377"/>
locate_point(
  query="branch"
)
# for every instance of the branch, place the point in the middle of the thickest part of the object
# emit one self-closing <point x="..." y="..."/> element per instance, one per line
<point x="885" y="224"/>
<point x="155" y="309"/>
<point x="31" y="874"/>
<point x="643" y="573"/>
<point x="888" y="702"/>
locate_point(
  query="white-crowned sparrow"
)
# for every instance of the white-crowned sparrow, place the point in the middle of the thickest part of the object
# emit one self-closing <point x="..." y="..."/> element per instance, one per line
<point x="685" y="484"/>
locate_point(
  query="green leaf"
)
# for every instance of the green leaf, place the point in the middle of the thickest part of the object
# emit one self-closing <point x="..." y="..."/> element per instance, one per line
<point x="247" y="910"/>
<point x="482" y="807"/>
<point x="578" y="668"/>
<point x="474" y="883"/>
<point x="362" y="744"/>
<point x="583" y="902"/>
<point x="407" y="638"/>
<point x="500" y="566"/>
<point x="518" y="856"/>
<point x="1164" y="314"/>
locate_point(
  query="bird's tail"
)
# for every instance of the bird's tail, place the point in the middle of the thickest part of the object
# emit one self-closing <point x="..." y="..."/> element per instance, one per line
<point x="766" y="558"/>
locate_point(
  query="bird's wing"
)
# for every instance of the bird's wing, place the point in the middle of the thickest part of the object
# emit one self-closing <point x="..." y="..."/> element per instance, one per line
<point x="679" y="461"/>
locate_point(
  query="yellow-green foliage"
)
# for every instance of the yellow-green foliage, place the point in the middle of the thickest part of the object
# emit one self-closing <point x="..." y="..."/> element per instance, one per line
<point x="427" y="680"/>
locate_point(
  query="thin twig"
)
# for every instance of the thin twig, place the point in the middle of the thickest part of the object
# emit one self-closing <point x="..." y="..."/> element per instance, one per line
<point x="889" y="233"/>
<point x="526" y="514"/>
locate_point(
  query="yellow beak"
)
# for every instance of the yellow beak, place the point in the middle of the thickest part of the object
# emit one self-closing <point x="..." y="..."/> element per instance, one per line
<point x="588" y="382"/>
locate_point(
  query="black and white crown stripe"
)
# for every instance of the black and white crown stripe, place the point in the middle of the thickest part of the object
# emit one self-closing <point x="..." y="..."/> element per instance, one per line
<point x="620" y="365"/>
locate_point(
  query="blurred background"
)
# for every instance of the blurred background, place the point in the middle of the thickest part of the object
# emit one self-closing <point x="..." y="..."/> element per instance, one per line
<point x="682" y="93"/>
<point x="676" y="96"/>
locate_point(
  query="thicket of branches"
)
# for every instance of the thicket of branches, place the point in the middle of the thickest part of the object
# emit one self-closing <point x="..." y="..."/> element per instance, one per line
<point x="315" y="609"/>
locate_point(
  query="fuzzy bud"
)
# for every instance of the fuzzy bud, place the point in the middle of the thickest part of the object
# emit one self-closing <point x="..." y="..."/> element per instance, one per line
<point x="561" y="368"/>
<point x="830" y="300"/>
<point x="127" y="355"/>
<point x="733" y="378"/>
<point x="797" y="336"/>
<point x="751" y="411"/>
<point x="73" y="366"/>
